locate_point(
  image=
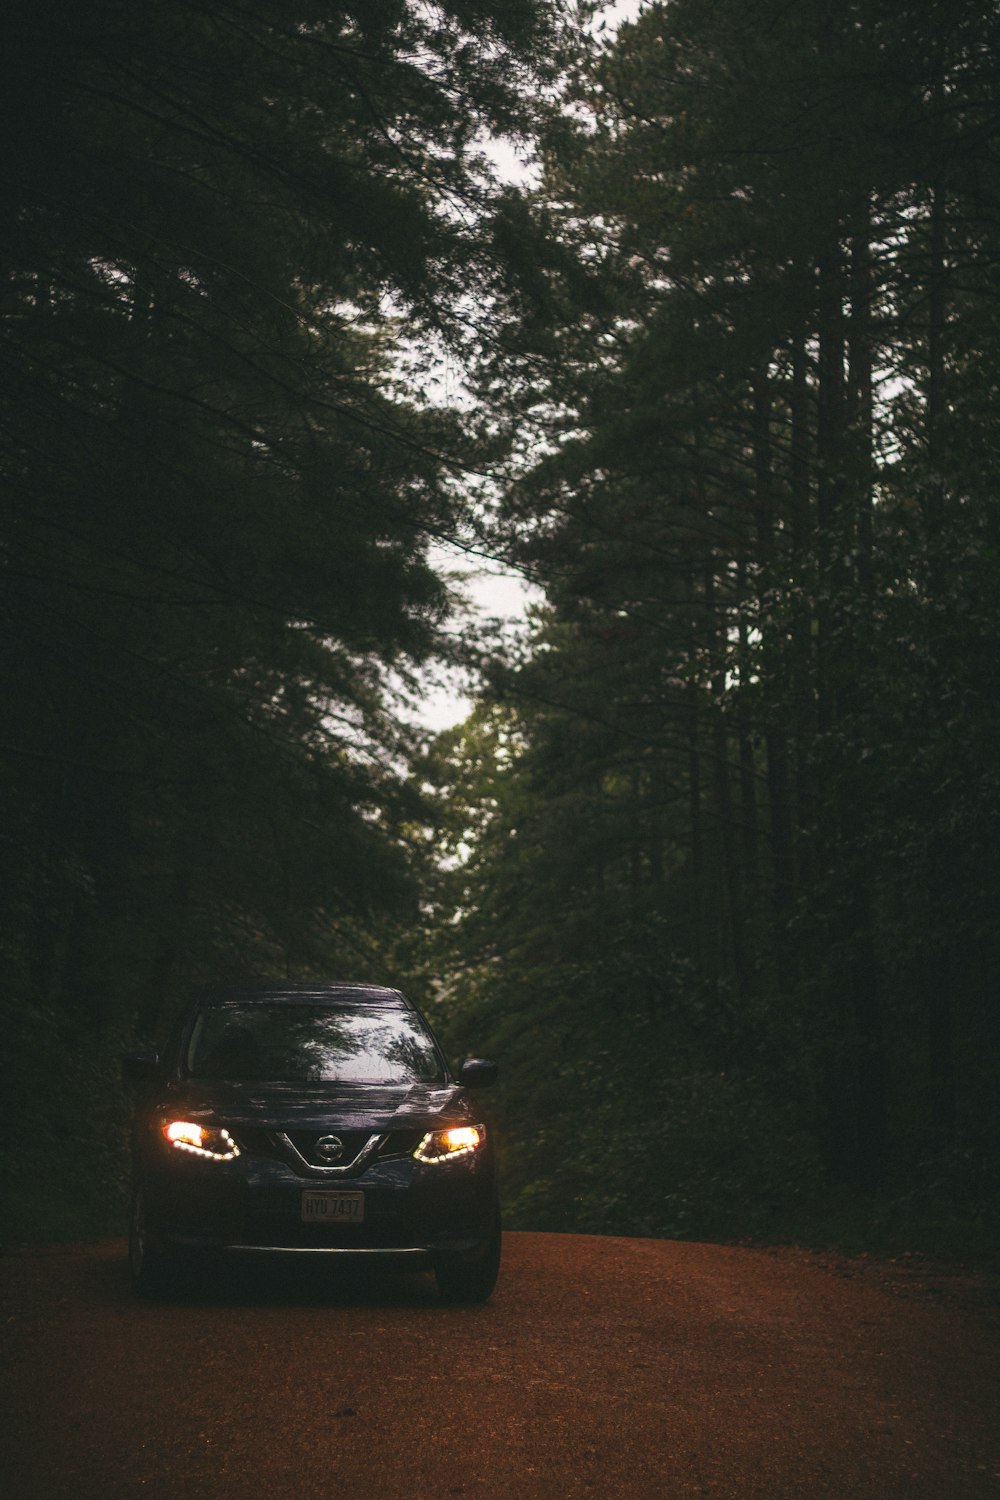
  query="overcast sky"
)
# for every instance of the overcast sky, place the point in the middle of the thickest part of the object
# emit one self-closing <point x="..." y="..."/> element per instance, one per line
<point x="493" y="590"/>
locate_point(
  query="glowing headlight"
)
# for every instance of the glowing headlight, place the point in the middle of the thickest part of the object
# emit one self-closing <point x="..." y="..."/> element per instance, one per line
<point x="444" y="1145"/>
<point x="201" y="1140"/>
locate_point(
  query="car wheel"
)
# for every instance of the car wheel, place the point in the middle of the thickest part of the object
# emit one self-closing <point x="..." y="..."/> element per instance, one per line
<point x="151" y="1271"/>
<point x="471" y="1280"/>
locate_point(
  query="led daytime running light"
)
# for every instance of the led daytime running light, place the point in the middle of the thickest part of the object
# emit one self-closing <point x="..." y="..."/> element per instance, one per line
<point x="445" y="1145"/>
<point x="208" y="1141"/>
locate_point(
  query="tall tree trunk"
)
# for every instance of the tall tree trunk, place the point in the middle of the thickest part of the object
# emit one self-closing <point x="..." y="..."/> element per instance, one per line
<point x="776" y="733"/>
<point x="692" y="731"/>
<point x="636" y="836"/>
<point x="748" y="769"/>
<point x="857" y="1090"/>
<point x="861" y="401"/>
<point x="938" y="973"/>
<point x="830" y="424"/>
<point x="865" y="973"/>
<point x="722" y="788"/>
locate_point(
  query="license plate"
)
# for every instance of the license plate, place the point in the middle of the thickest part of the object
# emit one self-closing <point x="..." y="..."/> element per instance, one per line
<point x="332" y="1207"/>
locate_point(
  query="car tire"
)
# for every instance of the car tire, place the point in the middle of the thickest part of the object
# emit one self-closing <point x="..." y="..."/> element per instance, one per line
<point x="468" y="1281"/>
<point x="151" y="1271"/>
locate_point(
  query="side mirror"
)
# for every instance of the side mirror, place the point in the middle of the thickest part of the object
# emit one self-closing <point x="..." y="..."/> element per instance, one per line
<point x="140" y="1067"/>
<point x="478" y="1073"/>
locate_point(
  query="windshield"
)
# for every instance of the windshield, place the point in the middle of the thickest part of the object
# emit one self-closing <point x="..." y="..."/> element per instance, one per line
<point x="312" y="1044"/>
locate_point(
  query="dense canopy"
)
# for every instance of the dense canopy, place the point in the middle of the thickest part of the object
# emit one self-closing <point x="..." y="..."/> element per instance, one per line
<point x="733" y="814"/>
<point x="226" y="230"/>
<point x="717" y="851"/>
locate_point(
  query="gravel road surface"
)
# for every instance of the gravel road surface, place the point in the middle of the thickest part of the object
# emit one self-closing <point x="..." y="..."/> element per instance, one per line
<point x="602" y="1367"/>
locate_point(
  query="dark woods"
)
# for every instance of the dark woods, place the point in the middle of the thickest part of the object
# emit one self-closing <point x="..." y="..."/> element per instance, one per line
<point x="733" y="893"/>
<point x="716" y="863"/>
<point x="226" y="228"/>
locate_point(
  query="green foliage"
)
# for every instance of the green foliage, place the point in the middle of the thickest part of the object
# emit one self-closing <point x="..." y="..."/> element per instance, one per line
<point x="738" y="838"/>
<point x="718" y="848"/>
<point x="62" y="1173"/>
<point x="226" y="228"/>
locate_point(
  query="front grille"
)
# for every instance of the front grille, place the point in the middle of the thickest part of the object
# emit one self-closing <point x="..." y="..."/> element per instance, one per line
<point x="305" y="1141"/>
<point x="256" y="1142"/>
<point x="400" y="1143"/>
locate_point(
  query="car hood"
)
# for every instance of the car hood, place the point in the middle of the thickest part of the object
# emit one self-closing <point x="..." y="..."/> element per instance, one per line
<point x="305" y="1106"/>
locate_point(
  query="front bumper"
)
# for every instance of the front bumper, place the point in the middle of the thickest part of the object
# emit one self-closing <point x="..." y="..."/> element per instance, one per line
<point x="415" y="1212"/>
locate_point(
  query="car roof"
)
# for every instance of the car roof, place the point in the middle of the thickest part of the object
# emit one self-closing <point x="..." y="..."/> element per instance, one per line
<point x="308" y="992"/>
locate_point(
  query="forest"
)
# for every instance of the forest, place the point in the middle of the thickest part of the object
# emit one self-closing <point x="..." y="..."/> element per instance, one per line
<point x="713" y="864"/>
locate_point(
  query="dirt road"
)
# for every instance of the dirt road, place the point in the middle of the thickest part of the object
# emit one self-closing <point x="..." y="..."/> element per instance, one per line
<point x="602" y="1367"/>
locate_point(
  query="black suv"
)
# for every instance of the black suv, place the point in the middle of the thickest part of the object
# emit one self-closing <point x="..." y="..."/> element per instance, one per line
<point x="312" y="1120"/>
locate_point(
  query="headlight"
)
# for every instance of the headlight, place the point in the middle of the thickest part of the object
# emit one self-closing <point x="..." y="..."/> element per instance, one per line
<point x="445" y="1145"/>
<point x="200" y="1140"/>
